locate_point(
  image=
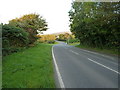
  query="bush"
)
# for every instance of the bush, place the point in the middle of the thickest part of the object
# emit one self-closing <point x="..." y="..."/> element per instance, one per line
<point x="73" y="40"/>
<point x="7" y="51"/>
<point x="13" y="38"/>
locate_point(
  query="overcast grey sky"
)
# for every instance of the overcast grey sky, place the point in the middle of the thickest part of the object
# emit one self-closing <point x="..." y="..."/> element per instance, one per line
<point x="54" y="11"/>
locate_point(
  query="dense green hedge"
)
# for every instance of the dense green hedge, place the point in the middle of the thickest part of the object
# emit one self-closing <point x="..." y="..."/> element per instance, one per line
<point x="96" y="24"/>
<point x="13" y="38"/>
<point x="21" y="32"/>
<point x="73" y="40"/>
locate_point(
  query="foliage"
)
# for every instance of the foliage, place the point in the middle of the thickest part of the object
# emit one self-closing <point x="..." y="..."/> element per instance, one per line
<point x="113" y="52"/>
<point x="13" y="38"/>
<point x="96" y="24"/>
<point x="30" y="68"/>
<point x="61" y="37"/>
<point x="64" y="37"/>
<point x="47" y="38"/>
<point x="73" y="40"/>
<point x="31" y="23"/>
<point x="21" y="32"/>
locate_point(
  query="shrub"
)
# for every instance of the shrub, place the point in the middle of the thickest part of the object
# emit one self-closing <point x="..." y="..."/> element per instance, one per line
<point x="73" y="40"/>
<point x="13" y="38"/>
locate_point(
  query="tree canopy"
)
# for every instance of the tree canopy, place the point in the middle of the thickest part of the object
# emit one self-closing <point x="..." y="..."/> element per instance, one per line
<point x="96" y="23"/>
<point x="31" y="23"/>
<point x="21" y="32"/>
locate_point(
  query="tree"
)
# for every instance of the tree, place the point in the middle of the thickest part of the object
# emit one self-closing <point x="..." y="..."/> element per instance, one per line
<point x="47" y="38"/>
<point x="61" y="37"/>
<point x="65" y="36"/>
<point x="96" y="23"/>
<point x="31" y="23"/>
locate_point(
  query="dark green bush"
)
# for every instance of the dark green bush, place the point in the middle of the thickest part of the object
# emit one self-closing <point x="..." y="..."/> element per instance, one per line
<point x="13" y="38"/>
<point x="73" y="40"/>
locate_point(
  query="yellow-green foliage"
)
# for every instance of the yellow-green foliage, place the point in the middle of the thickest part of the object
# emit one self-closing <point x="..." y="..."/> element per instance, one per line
<point x="31" y="23"/>
<point x="66" y="36"/>
<point x="45" y="38"/>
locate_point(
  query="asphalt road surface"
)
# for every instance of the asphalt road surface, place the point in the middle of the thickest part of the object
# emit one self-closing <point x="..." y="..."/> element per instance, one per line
<point x="79" y="68"/>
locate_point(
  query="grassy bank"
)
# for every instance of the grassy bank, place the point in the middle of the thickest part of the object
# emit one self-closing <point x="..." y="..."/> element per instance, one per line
<point x="31" y="68"/>
<point x="74" y="44"/>
<point x="105" y="51"/>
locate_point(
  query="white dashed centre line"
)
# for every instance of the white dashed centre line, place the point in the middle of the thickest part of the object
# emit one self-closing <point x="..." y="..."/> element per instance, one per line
<point x="74" y="52"/>
<point x="98" y="63"/>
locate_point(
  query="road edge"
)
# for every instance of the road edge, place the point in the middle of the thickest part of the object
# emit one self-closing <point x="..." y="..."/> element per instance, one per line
<point x="57" y="70"/>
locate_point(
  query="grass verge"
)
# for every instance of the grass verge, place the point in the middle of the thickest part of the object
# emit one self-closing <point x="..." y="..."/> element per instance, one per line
<point x="104" y="51"/>
<point x="31" y="68"/>
<point x="74" y="44"/>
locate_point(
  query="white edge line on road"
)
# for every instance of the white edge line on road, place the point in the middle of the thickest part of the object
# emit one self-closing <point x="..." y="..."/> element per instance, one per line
<point x="98" y="54"/>
<point x="99" y="63"/>
<point x="57" y="70"/>
<point x="103" y="66"/>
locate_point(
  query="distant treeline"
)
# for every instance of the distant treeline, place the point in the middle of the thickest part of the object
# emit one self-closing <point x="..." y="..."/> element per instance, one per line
<point x="50" y="38"/>
<point x="21" y="32"/>
<point x="65" y="37"/>
<point x="96" y="24"/>
<point x="46" y="39"/>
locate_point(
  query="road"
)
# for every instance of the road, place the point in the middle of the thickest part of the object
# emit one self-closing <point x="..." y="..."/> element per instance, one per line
<point x="79" y="68"/>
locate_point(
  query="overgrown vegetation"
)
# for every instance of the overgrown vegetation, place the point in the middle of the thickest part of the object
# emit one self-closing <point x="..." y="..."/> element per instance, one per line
<point x="104" y="51"/>
<point x="75" y="40"/>
<point x="46" y="39"/>
<point x="96" y="24"/>
<point x="31" y="23"/>
<point x="30" y="68"/>
<point x="21" y="32"/>
<point x="65" y="37"/>
<point x="13" y="38"/>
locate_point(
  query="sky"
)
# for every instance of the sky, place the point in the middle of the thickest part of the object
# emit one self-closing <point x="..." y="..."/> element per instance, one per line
<point x="54" y="11"/>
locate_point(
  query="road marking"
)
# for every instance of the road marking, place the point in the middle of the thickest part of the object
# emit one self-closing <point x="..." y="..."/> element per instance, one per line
<point x="98" y="63"/>
<point x="98" y="54"/>
<point x="102" y="55"/>
<point x="104" y="66"/>
<point x="74" y="52"/>
<point x="58" y="72"/>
